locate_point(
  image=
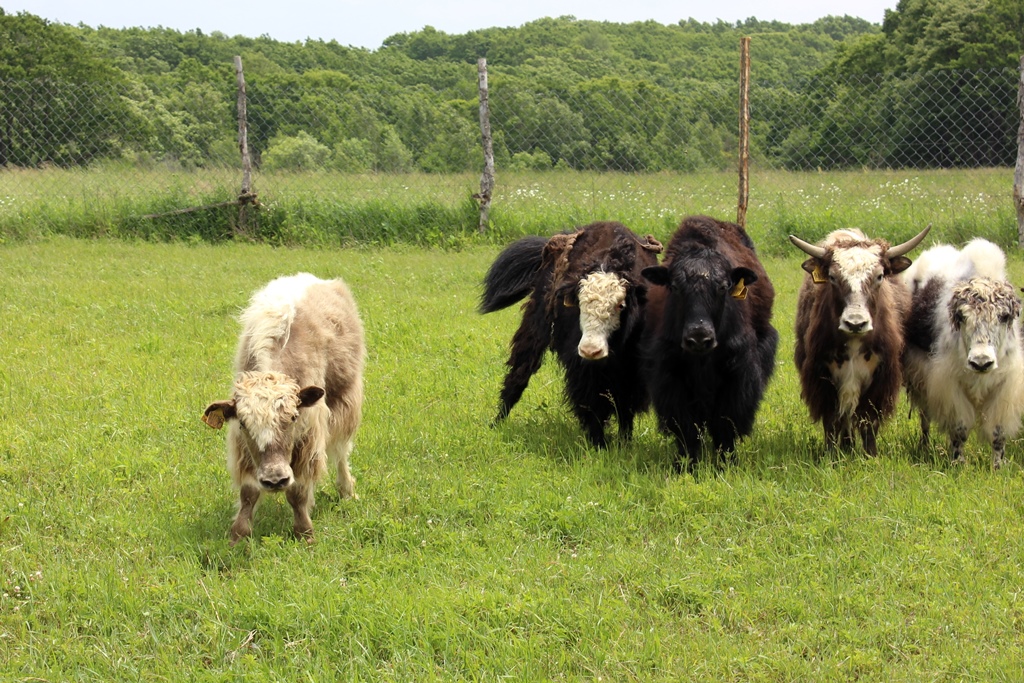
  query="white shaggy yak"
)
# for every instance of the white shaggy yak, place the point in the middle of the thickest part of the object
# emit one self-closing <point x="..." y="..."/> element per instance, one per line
<point x="963" y="362"/>
<point x="297" y="398"/>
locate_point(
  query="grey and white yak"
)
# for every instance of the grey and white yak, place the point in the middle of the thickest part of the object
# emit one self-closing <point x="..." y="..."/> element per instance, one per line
<point x="963" y="364"/>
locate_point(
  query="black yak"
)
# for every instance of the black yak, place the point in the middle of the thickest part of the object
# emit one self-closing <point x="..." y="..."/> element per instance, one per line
<point x="586" y="299"/>
<point x="709" y="344"/>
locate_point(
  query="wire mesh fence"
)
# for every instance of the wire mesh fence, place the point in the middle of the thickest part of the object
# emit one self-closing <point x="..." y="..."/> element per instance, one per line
<point x="82" y="158"/>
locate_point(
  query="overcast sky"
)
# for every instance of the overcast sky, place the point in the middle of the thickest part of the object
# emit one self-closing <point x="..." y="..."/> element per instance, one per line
<point x="366" y="23"/>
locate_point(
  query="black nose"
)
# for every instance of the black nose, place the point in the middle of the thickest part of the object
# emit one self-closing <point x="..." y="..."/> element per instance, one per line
<point x="856" y="327"/>
<point x="274" y="484"/>
<point x="699" y="342"/>
<point x="981" y="366"/>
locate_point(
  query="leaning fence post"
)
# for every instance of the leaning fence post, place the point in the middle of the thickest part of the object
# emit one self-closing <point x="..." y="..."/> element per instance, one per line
<point x="1018" y="174"/>
<point x="246" y="197"/>
<point x="744" y="142"/>
<point x="487" y="179"/>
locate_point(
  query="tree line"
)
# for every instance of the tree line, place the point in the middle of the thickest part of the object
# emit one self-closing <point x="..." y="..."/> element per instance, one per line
<point x="565" y="93"/>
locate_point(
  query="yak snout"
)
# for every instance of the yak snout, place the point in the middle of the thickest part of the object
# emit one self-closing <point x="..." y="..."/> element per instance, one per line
<point x="982" y="360"/>
<point x="592" y="349"/>
<point x="275" y="475"/>
<point x="855" y="320"/>
<point x="699" y="339"/>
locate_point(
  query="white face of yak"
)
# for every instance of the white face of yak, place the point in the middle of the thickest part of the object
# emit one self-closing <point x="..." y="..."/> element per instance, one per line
<point x="602" y="297"/>
<point x="857" y="272"/>
<point x="266" y="406"/>
<point x="985" y="312"/>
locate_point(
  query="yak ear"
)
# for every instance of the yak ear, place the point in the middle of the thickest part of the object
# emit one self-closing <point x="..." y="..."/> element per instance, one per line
<point x="219" y="412"/>
<point x="899" y="264"/>
<point x="657" y="275"/>
<point x="639" y="292"/>
<point x="309" y="396"/>
<point x="740" y="278"/>
<point x="748" y="276"/>
<point x="817" y="273"/>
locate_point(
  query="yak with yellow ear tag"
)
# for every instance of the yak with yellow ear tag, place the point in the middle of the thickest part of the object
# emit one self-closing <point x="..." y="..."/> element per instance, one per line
<point x="709" y="345"/>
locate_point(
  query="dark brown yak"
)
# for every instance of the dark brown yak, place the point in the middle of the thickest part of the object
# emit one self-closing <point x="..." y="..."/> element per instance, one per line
<point x="849" y="333"/>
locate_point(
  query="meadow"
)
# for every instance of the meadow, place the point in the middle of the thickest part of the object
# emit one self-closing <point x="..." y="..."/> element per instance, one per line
<point x="473" y="553"/>
<point x="329" y="210"/>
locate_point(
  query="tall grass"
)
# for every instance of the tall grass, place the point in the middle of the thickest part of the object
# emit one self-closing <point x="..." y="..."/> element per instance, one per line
<point x="332" y="209"/>
<point x="474" y="553"/>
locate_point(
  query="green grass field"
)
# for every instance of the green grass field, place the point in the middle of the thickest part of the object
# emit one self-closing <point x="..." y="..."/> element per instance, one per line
<point x="331" y="209"/>
<point x="473" y="553"/>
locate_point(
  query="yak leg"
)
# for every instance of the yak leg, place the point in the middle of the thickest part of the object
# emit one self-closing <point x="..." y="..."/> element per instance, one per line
<point x="837" y="432"/>
<point x="338" y="453"/>
<point x="925" y="431"/>
<point x="998" y="447"/>
<point x="723" y="434"/>
<point x="248" y="496"/>
<point x="956" y="441"/>
<point x="868" y="434"/>
<point x="593" y="425"/>
<point x="592" y="409"/>
<point x="629" y="399"/>
<point x="300" y="497"/>
<point x="626" y="416"/>
<point x="528" y="346"/>
<point x="687" y="445"/>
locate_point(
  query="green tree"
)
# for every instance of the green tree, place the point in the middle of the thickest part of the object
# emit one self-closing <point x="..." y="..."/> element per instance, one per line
<point x="62" y="104"/>
<point x="300" y="152"/>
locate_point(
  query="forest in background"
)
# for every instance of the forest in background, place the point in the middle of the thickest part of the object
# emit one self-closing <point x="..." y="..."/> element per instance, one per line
<point x="565" y="93"/>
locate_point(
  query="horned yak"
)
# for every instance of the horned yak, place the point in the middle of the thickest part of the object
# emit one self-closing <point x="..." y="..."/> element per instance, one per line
<point x="849" y="333"/>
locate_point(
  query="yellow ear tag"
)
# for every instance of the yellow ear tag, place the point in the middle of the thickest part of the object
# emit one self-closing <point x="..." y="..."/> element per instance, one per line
<point x="818" y="276"/>
<point x="215" y="418"/>
<point x="739" y="290"/>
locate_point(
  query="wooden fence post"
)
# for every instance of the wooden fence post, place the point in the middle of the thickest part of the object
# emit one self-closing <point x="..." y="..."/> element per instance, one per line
<point x="744" y="142"/>
<point x="246" y="197"/>
<point x="487" y="179"/>
<point x="1018" y="174"/>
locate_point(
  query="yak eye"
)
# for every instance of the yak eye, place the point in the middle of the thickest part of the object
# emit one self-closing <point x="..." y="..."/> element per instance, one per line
<point x="295" y="417"/>
<point x="1005" y="318"/>
<point x="958" y="318"/>
<point x="879" y="277"/>
<point x="567" y="301"/>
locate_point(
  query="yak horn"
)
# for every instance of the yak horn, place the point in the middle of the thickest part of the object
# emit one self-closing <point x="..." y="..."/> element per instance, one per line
<point x="901" y="249"/>
<point x="807" y="247"/>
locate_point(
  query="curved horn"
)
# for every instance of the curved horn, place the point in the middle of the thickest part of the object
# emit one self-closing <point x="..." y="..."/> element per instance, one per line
<point x="807" y="247"/>
<point x="901" y="249"/>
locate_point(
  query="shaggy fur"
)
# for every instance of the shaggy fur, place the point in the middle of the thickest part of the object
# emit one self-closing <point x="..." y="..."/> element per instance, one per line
<point x="302" y="341"/>
<point x="849" y="337"/>
<point x="586" y="299"/>
<point x="709" y="345"/>
<point x="963" y="361"/>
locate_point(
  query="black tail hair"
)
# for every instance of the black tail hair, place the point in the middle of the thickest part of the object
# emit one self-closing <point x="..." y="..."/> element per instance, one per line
<point x="511" y="276"/>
